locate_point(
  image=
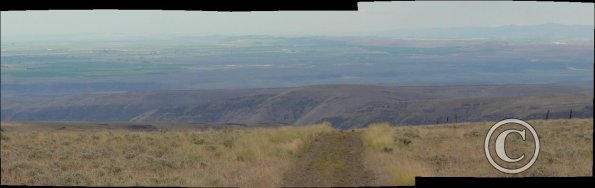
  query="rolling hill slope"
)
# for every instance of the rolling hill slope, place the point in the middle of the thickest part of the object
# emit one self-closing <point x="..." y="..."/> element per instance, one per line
<point x="342" y="105"/>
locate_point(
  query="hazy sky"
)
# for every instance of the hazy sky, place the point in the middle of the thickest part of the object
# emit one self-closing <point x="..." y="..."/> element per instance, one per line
<point x="371" y="19"/>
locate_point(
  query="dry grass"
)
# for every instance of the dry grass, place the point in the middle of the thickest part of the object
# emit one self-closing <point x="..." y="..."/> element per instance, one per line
<point x="258" y="157"/>
<point x="398" y="154"/>
<point x="246" y="158"/>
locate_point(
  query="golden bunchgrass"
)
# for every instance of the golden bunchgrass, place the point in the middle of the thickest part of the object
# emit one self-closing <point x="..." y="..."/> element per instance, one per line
<point x="246" y="158"/>
<point x="398" y="154"/>
<point x="257" y="157"/>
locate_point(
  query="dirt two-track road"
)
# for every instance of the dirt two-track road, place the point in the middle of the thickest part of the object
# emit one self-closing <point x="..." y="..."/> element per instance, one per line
<point x="333" y="159"/>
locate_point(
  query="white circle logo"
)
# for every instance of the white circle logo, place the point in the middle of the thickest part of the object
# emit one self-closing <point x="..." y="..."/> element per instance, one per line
<point x="499" y="146"/>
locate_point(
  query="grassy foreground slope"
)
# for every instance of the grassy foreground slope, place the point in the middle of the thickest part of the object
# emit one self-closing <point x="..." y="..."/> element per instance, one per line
<point x="249" y="157"/>
<point x="398" y="154"/>
<point x="273" y="157"/>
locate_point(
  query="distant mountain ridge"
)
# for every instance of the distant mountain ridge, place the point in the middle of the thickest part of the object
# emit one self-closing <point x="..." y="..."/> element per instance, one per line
<point x="344" y="106"/>
<point x="547" y="31"/>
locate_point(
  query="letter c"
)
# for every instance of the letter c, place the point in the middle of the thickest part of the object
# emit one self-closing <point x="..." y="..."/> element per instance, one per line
<point x="501" y="139"/>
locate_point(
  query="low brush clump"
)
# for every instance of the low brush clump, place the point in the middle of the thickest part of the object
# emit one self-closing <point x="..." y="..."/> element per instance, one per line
<point x="398" y="154"/>
<point x="248" y="157"/>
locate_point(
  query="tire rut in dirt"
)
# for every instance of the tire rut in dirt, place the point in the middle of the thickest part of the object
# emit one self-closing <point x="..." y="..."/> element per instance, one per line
<point x="334" y="159"/>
